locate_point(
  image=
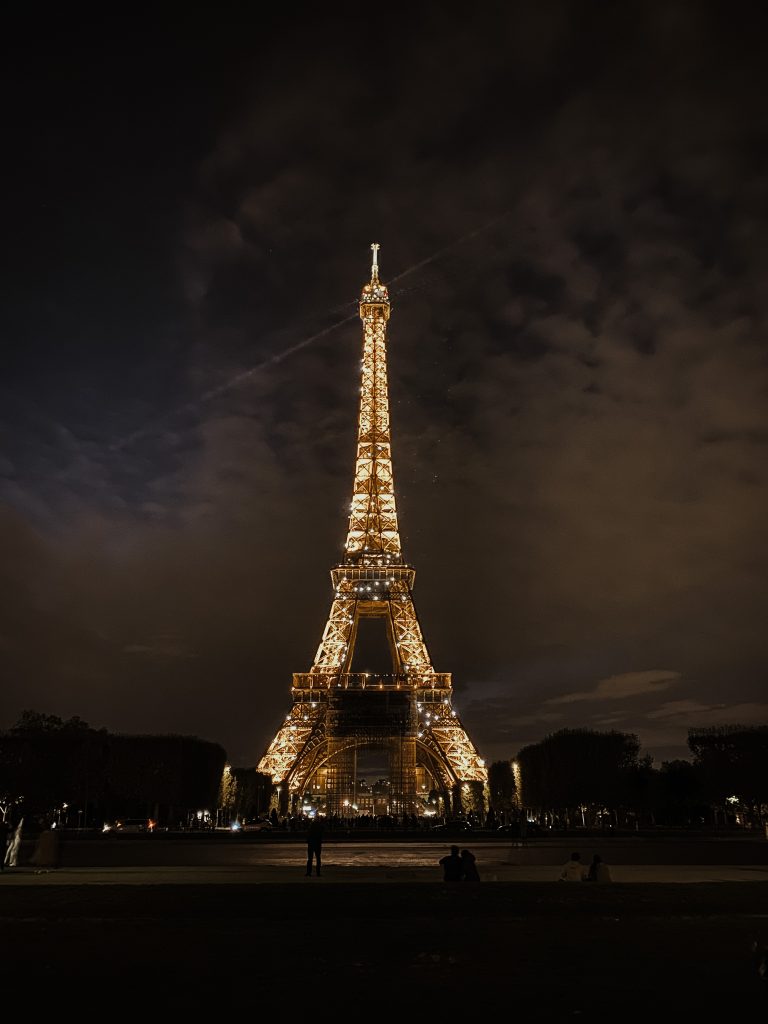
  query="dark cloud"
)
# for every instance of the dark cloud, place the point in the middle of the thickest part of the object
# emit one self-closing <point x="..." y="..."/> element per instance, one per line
<point x="572" y="208"/>
<point x="630" y="684"/>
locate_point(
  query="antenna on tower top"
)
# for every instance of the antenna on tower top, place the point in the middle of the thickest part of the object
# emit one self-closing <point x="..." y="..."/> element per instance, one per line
<point x="375" y="267"/>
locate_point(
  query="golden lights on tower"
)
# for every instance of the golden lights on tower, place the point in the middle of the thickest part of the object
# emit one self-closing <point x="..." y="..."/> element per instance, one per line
<point x="372" y="581"/>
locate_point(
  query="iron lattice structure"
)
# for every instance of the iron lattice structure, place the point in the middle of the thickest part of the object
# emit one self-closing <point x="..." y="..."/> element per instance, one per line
<point x="409" y="712"/>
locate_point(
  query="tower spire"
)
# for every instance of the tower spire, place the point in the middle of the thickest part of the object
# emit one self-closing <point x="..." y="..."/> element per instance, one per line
<point x="373" y="531"/>
<point x="375" y="266"/>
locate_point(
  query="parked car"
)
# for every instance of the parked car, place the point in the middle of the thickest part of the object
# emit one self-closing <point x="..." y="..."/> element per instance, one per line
<point x="130" y="825"/>
<point x="257" y="825"/>
<point x="450" y="827"/>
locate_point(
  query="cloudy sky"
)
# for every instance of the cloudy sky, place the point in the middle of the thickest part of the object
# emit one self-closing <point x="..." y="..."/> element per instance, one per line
<point x="571" y="201"/>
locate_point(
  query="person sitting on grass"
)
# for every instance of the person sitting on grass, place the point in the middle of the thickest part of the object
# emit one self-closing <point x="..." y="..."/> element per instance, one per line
<point x="469" y="872"/>
<point x="573" y="869"/>
<point x="598" y="871"/>
<point x="452" y="866"/>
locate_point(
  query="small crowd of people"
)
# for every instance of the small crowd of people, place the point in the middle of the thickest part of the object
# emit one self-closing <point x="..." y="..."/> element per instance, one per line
<point x="574" y="871"/>
<point x="377" y="822"/>
<point x="461" y="866"/>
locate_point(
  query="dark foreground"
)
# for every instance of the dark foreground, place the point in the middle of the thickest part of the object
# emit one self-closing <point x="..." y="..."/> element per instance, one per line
<point x="549" y="951"/>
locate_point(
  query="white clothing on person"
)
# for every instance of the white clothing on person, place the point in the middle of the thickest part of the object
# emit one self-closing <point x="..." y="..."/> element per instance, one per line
<point x="573" y="871"/>
<point x="12" y="851"/>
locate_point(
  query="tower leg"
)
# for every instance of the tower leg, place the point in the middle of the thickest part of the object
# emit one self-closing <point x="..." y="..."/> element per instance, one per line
<point x="402" y="774"/>
<point x="456" y="804"/>
<point x="340" y="778"/>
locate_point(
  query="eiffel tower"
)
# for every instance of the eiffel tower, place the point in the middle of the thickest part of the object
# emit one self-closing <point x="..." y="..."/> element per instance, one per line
<point x="408" y="713"/>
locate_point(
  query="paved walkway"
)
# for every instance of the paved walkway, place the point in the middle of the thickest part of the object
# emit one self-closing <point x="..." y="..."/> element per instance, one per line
<point x="265" y="874"/>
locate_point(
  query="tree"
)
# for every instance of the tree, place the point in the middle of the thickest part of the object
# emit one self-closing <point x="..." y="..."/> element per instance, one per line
<point x="162" y="776"/>
<point x="733" y="760"/>
<point x="577" y="769"/>
<point x="252" y="792"/>
<point x="227" y="789"/>
<point x="36" y="722"/>
<point x="679" y="794"/>
<point x="50" y="763"/>
<point x="501" y="783"/>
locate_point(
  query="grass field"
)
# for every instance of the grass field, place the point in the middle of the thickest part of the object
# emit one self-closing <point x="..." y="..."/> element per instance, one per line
<point x="551" y="951"/>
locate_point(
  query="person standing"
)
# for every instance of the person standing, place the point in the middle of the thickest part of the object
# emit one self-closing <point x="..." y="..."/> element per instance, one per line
<point x="315" y="844"/>
<point x="12" y="853"/>
<point x="46" y="854"/>
<point x="452" y="866"/>
<point x="573" y="869"/>
<point x="598" y="871"/>
<point x="3" y="842"/>
<point x="469" y="872"/>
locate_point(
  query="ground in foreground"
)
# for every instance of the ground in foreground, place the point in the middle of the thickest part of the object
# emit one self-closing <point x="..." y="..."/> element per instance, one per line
<point x="552" y="951"/>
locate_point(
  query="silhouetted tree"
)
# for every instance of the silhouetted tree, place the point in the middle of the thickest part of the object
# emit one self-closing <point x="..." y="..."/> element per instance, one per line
<point x="578" y="768"/>
<point x="48" y="762"/>
<point x="733" y="760"/>
<point x="679" y="797"/>
<point x="163" y="776"/>
<point x="252" y="792"/>
<point x="35" y="722"/>
<point x="501" y="785"/>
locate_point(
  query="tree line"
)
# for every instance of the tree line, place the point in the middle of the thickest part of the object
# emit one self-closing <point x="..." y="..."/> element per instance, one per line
<point x="65" y="771"/>
<point x="54" y="769"/>
<point x="601" y="779"/>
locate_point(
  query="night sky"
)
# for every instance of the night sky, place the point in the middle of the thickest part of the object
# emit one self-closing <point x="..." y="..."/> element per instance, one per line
<point x="572" y="205"/>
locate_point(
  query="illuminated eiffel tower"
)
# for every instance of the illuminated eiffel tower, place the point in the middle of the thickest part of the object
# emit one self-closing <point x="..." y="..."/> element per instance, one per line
<point x="336" y="712"/>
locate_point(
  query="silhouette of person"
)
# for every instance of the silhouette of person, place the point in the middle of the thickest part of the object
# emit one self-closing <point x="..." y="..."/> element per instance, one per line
<point x="46" y="854"/>
<point x="452" y="866"/>
<point x="3" y="842"/>
<point x="573" y="870"/>
<point x="12" y="853"/>
<point x="314" y="844"/>
<point x="598" y="871"/>
<point x="469" y="872"/>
